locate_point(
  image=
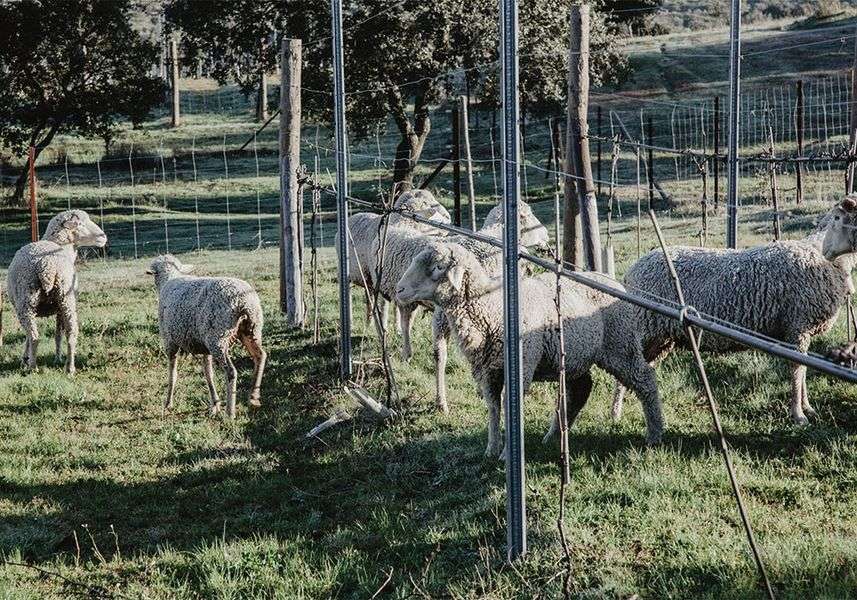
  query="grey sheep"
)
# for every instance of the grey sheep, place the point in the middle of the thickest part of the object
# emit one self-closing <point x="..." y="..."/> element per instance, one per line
<point x="784" y="290"/>
<point x="598" y="331"/>
<point x="206" y="316"/>
<point x="42" y="281"/>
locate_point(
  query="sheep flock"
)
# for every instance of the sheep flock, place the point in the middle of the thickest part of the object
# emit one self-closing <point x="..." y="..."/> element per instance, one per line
<point x="789" y="291"/>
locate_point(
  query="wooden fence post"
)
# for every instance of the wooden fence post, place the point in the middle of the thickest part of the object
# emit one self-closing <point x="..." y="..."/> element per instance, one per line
<point x="579" y="162"/>
<point x="291" y="295"/>
<point x="651" y="166"/>
<point x="174" y="82"/>
<point x="799" y="125"/>
<point x="456" y="167"/>
<point x="716" y="153"/>
<point x="34" y="215"/>
<point x="262" y="105"/>
<point x="772" y="175"/>
<point x="852" y="124"/>
<point x="464" y="136"/>
<point x="598" y="151"/>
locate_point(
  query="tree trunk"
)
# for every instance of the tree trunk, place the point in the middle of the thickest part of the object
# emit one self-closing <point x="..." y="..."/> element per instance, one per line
<point x="413" y="140"/>
<point x="21" y="183"/>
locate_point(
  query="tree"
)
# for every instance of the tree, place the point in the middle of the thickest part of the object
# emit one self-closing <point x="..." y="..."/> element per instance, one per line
<point x="72" y="67"/>
<point x="401" y="58"/>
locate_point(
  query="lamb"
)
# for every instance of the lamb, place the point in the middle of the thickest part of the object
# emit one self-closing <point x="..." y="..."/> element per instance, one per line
<point x="598" y="331"/>
<point x="364" y="229"/>
<point x="402" y="246"/>
<point x="42" y="281"/>
<point x="787" y="290"/>
<point x="206" y="315"/>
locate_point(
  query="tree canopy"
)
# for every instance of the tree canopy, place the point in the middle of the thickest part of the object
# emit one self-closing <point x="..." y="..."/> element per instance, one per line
<point x="401" y="58"/>
<point x="72" y="67"/>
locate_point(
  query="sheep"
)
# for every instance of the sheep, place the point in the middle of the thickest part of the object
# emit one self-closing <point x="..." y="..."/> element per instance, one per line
<point x="402" y="246"/>
<point x="532" y="234"/>
<point x="41" y="281"/>
<point x="598" y="331"/>
<point x="785" y="290"/>
<point x="206" y="315"/>
<point x="364" y="229"/>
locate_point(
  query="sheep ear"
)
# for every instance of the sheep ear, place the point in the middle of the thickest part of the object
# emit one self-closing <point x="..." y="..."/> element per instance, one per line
<point x="187" y="269"/>
<point x="71" y="223"/>
<point x="456" y="276"/>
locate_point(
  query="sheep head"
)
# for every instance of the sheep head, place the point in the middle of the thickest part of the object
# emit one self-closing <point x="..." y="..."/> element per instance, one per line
<point x="531" y="231"/>
<point x="167" y="266"/>
<point x="446" y="269"/>
<point x="76" y="228"/>
<point x="840" y="233"/>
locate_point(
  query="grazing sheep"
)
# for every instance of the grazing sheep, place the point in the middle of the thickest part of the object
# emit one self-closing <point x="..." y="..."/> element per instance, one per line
<point x="364" y="229"/>
<point x="206" y="315"/>
<point x="403" y="246"/>
<point x="598" y="331"/>
<point x="788" y="291"/>
<point x="42" y="281"/>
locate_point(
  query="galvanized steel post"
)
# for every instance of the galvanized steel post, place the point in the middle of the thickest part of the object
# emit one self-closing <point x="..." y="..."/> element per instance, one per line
<point x="341" y="145"/>
<point x="516" y="522"/>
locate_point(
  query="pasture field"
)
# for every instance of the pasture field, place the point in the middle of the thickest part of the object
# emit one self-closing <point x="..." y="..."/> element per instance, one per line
<point x="102" y="495"/>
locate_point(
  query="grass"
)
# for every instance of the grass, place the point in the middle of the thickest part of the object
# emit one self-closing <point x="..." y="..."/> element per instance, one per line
<point x="102" y="495"/>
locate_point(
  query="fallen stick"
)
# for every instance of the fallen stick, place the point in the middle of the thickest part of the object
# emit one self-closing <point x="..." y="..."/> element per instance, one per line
<point x="363" y="398"/>
<point x="340" y="416"/>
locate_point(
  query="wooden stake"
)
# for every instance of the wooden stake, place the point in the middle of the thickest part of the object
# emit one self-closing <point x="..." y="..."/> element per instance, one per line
<point x="464" y="132"/>
<point x="34" y="215"/>
<point x="716" y="153"/>
<point x="291" y="295"/>
<point x="456" y="167"/>
<point x="174" y="82"/>
<point x="579" y="163"/>
<point x="852" y="127"/>
<point x="772" y="175"/>
<point x="799" y="125"/>
<point x="262" y="106"/>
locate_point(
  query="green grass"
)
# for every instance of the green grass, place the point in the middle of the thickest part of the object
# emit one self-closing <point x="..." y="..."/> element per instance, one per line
<point x="98" y="489"/>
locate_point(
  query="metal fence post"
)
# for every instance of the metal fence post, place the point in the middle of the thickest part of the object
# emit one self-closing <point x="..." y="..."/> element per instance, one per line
<point x="734" y="123"/>
<point x="341" y="145"/>
<point x="516" y="521"/>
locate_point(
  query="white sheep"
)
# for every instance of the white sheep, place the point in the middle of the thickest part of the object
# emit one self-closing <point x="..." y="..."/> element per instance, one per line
<point x="42" y="281"/>
<point x="207" y="315"/>
<point x="364" y="229"/>
<point x="402" y="246"/>
<point x="784" y="290"/>
<point x="598" y="331"/>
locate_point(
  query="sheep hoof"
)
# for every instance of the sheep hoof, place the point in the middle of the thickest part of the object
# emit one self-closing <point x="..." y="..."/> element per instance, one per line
<point x="214" y="409"/>
<point x="653" y="440"/>
<point x="255" y="402"/>
<point x="810" y="412"/>
<point x="800" y="420"/>
<point x="443" y="407"/>
<point x="70" y="371"/>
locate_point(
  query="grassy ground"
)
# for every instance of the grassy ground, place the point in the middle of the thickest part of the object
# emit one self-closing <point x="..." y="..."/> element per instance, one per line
<point x="101" y="495"/>
<point x="99" y="489"/>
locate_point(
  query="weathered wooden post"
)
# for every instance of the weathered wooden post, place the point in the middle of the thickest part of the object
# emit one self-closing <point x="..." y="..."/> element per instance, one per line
<point x="175" y="121"/>
<point x="852" y="124"/>
<point x="799" y="126"/>
<point x="34" y="215"/>
<point x="291" y="294"/>
<point x="716" y="153"/>
<point x="464" y="136"/>
<point x="772" y="175"/>
<point x="650" y="171"/>
<point x="456" y="166"/>
<point x="579" y="161"/>
<point x="262" y="105"/>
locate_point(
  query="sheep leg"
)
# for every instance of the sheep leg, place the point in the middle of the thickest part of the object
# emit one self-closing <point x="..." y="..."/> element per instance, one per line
<point x="635" y="373"/>
<point x="58" y="340"/>
<point x="406" y="321"/>
<point x="171" y="383"/>
<point x="398" y="310"/>
<point x="808" y="410"/>
<point x="440" y="338"/>
<point x="69" y="319"/>
<point x="222" y="358"/>
<point x="491" y="393"/>
<point x="577" y="393"/>
<point x="618" y="402"/>
<point x="254" y="347"/>
<point x="798" y="382"/>
<point x="31" y="344"/>
<point x="208" y="371"/>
